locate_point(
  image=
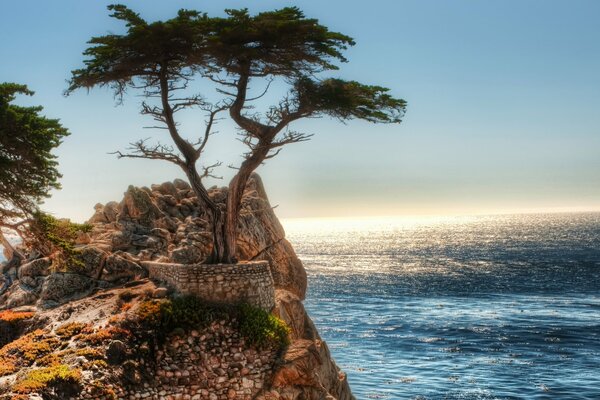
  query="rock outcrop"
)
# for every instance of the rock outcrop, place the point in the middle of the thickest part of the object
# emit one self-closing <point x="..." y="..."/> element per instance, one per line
<point x="165" y="224"/>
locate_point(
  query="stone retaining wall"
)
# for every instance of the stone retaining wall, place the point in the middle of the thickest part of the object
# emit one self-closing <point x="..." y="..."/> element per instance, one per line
<point x="249" y="282"/>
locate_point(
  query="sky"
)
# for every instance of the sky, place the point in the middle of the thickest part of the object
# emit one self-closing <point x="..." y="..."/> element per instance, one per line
<point x="503" y="108"/>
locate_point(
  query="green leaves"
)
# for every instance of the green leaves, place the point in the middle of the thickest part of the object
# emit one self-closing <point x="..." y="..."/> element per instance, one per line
<point x="348" y="99"/>
<point x="280" y="42"/>
<point x="28" y="169"/>
<point x="175" y="47"/>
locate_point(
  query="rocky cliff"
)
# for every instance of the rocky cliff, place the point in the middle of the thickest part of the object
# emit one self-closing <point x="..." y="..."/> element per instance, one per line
<point x="74" y="331"/>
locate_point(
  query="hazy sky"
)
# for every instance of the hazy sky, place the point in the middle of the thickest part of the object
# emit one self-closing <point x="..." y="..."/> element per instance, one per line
<point x="503" y="107"/>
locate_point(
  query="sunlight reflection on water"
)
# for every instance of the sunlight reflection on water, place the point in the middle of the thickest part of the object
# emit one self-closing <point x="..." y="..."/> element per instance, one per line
<point x="480" y="307"/>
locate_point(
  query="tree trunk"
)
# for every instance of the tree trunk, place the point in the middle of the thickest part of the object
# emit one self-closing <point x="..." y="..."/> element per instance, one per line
<point x="234" y="200"/>
<point x="218" y="223"/>
<point x="13" y="255"/>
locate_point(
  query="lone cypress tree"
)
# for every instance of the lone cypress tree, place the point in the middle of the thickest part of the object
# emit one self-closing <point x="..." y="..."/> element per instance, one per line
<point x="163" y="57"/>
<point x="28" y="169"/>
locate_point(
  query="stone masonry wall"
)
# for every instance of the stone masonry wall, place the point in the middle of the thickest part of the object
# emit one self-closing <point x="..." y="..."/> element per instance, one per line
<point x="249" y="282"/>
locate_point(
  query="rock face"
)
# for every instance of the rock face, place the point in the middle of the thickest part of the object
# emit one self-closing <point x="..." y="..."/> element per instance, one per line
<point x="164" y="224"/>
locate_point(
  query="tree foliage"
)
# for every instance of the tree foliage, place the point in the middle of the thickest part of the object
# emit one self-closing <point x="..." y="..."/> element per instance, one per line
<point x="28" y="169"/>
<point x="233" y="51"/>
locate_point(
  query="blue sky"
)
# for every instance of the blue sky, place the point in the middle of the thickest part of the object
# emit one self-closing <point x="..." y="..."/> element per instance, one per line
<point x="502" y="116"/>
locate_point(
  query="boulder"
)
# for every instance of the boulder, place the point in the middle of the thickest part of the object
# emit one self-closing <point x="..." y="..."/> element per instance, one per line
<point x="59" y="288"/>
<point x="117" y="268"/>
<point x="39" y="267"/>
<point x="116" y="352"/>
<point x="180" y="184"/>
<point x="91" y="261"/>
<point x="187" y="254"/>
<point x="18" y="296"/>
<point x="308" y="372"/>
<point x="98" y="217"/>
<point x="139" y="206"/>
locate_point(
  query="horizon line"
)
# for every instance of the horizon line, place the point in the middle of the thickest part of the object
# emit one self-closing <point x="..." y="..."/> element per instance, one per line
<point x="559" y="210"/>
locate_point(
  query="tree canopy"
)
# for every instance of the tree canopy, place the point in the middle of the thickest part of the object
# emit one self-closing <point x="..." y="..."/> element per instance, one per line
<point x="162" y="57"/>
<point x="28" y="169"/>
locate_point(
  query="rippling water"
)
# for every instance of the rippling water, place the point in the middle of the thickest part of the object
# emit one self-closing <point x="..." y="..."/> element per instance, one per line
<point x="502" y="307"/>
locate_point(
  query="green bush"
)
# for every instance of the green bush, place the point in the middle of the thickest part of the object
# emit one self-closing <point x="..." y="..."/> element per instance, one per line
<point x="54" y="234"/>
<point x="262" y="328"/>
<point x="189" y="312"/>
<point x="40" y="379"/>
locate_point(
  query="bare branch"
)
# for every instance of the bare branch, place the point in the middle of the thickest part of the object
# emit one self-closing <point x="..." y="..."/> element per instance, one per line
<point x="208" y="171"/>
<point x="159" y="151"/>
<point x="271" y="79"/>
<point x="221" y="81"/>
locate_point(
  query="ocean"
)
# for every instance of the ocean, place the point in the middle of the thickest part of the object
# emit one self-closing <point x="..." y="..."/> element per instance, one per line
<point x="485" y="307"/>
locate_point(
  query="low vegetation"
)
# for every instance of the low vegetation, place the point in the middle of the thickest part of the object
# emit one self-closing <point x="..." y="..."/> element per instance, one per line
<point x="15" y="316"/>
<point x="69" y="330"/>
<point x="58" y="236"/>
<point x="39" y="380"/>
<point x="188" y="312"/>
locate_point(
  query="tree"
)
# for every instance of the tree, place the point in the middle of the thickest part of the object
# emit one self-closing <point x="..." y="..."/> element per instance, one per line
<point x="232" y="51"/>
<point x="28" y="169"/>
<point x="160" y="59"/>
<point x="285" y="44"/>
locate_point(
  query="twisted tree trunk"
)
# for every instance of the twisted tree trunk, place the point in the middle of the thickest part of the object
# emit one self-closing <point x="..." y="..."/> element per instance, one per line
<point x="219" y="251"/>
<point x="234" y="199"/>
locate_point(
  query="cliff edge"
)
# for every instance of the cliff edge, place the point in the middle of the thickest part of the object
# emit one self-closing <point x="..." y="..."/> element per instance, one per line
<point x="101" y="329"/>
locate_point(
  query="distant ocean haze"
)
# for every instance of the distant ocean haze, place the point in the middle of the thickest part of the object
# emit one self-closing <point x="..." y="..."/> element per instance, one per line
<point x="485" y="307"/>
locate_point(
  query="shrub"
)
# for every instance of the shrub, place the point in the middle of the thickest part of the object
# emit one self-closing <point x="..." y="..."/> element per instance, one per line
<point x="90" y="353"/>
<point x="262" y="328"/>
<point x="259" y="327"/>
<point x="8" y="365"/>
<point x="69" y="330"/>
<point x="15" y="316"/>
<point x="40" y="379"/>
<point x="30" y="347"/>
<point x="100" y="336"/>
<point x="54" y="234"/>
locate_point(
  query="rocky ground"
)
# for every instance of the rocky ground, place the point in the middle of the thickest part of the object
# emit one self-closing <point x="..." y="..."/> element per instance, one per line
<point x="162" y="223"/>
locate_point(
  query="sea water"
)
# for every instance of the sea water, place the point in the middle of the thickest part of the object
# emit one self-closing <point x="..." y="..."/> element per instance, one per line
<point x="487" y="307"/>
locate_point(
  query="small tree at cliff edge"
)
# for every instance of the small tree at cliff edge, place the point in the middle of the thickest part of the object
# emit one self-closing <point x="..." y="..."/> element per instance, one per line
<point x="232" y="51"/>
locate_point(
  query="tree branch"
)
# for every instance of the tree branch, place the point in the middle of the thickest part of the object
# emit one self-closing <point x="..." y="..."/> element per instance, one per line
<point x="157" y="152"/>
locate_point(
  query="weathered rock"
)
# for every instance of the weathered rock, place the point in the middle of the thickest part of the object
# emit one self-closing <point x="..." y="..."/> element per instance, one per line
<point x="287" y="269"/>
<point x="62" y="287"/>
<point x="180" y="184"/>
<point x="187" y="255"/>
<point x="308" y="372"/>
<point x="83" y="238"/>
<point x="111" y="211"/>
<point x="138" y="205"/>
<point x="117" y="268"/>
<point x="39" y="267"/>
<point x="105" y="213"/>
<point x="18" y="296"/>
<point x="291" y="310"/>
<point x="98" y="216"/>
<point x="90" y="261"/>
<point x="116" y="352"/>
<point x="160" y="293"/>
<point x="261" y="237"/>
